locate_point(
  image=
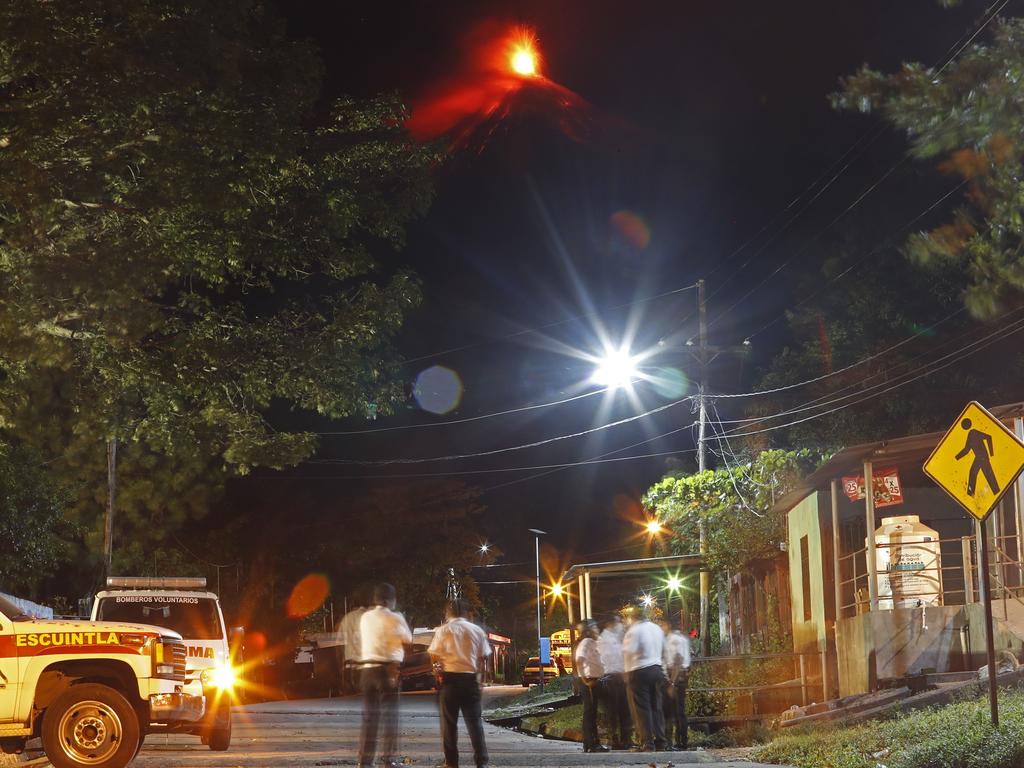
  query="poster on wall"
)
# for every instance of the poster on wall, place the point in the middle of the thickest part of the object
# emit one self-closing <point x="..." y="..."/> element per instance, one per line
<point x="886" y="484"/>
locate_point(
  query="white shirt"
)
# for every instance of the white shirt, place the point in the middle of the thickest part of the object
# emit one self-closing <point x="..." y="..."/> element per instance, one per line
<point x="643" y="646"/>
<point x="609" y="646"/>
<point x="350" y="634"/>
<point x="385" y="635"/>
<point x="588" y="659"/>
<point x="677" y="652"/>
<point x="458" y="645"/>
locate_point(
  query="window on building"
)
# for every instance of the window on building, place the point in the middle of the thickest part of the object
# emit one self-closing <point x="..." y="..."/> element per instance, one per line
<point x="805" y="575"/>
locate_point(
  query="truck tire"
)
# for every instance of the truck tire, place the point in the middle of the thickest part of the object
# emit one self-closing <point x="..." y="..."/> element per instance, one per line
<point x="90" y="725"/>
<point x="219" y="736"/>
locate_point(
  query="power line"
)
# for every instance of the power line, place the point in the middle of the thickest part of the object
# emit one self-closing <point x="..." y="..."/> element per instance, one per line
<point x="524" y="446"/>
<point x="980" y="345"/>
<point x="539" y="328"/>
<point x="860" y="261"/>
<point x="481" y="417"/>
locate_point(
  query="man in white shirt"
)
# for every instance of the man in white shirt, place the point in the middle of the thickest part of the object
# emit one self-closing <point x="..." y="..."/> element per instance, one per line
<point x="460" y="649"/>
<point x="677" y="670"/>
<point x="643" y="648"/>
<point x="352" y="639"/>
<point x="384" y="637"/>
<point x="609" y="646"/>
<point x="590" y="670"/>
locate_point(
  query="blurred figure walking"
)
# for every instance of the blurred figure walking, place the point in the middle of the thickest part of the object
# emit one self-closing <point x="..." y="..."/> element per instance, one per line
<point x="643" y="648"/>
<point x="352" y="639"/>
<point x="460" y="649"/>
<point x="677" y="670"/>
<point x="609" y="646"/>
<point x="588" y="666"/>
<point x="384" y="638"/>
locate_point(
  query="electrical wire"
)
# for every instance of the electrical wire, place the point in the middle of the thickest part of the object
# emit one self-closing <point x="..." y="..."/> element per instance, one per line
<point x="524" y="446"/>
<point x="481" y="417"/>
<point x="539" y="328"/>
<point x="980" y="345"/>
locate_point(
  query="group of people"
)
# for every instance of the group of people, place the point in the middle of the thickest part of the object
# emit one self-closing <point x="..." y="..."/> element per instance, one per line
<point x="639" y="673"/>
<point x="458" y="652"/>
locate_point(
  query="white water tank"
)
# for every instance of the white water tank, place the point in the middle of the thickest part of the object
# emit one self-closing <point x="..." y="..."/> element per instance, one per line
<point x="909" y="561"/>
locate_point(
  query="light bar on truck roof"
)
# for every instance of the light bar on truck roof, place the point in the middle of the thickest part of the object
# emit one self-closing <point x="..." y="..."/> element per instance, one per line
<point x="153" y="582"/>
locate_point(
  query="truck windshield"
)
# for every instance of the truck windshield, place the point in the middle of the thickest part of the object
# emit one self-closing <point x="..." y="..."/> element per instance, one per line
<point x="194" y="618"/>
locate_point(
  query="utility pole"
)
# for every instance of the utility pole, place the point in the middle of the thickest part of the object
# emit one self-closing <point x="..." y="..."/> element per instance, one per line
<point x="108" y="527"/>
<point x="702" y="420"/>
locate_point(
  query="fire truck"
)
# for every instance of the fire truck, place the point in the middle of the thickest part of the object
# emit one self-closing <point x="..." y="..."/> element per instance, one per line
<point x="183" y="605"/>
<point x="89" y="690"/>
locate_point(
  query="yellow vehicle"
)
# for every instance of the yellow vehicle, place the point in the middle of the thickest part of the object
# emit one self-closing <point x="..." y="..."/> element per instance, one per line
<point x="531" y="672"/>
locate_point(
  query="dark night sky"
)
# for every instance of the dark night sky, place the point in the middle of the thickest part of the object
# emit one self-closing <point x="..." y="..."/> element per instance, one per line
<point x="730" y="122"/>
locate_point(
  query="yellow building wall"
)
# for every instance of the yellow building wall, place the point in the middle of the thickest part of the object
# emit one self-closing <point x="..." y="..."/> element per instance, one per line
<point x="809" y="636"/>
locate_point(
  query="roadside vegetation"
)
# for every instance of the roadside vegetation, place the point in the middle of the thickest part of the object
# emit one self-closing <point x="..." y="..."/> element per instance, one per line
<point x="958" y="735"/>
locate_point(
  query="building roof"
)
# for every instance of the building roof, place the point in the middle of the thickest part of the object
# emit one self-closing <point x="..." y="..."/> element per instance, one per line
<point x="621" y="567"/>
<point x="896" y="451"/>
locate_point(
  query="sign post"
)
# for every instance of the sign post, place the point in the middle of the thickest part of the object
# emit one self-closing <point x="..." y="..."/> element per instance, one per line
<point x="976" y="462"/>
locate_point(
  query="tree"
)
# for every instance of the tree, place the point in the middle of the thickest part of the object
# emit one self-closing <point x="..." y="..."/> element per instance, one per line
<point x="32" y="525"/>
<point x="735" y="505"/>
<point x="404" y="534"/>
<point x="187" y="237"/>
<point x="970" y="114"/>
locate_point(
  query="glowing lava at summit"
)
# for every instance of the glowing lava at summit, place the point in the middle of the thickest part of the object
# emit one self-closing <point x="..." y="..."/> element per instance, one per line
<point x="500" y="76"/>
<point x="523" y="56"/>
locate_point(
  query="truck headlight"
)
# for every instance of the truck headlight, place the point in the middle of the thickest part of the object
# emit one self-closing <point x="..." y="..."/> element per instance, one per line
<point x="221" y="676"/>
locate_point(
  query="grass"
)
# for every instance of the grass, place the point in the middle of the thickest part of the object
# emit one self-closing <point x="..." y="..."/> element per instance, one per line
<point x="958" y="735"/>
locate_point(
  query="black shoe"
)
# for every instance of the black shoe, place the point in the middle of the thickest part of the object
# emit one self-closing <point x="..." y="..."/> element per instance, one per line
<point x="599" y="748"/>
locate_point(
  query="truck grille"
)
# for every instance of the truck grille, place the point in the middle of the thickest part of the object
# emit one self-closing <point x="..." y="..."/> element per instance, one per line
<point x="176" y="654"/>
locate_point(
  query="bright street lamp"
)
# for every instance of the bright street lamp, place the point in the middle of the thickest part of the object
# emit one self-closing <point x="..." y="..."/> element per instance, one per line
<point x="485" y="548"/>
<point x="674" y="583"/>
<point x="615" y="369"/>
<point x="653" y="526"/>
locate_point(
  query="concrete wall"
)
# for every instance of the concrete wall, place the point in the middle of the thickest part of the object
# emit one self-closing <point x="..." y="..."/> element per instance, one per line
<point x="887" y="644"/>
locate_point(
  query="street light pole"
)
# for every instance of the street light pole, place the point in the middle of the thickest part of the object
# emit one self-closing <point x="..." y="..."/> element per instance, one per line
<point x="540" y="659"/>
<point x="702" y="419"/>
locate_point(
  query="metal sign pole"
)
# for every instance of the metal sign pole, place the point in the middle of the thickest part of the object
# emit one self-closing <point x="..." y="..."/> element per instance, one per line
<point x="990" y="646"/>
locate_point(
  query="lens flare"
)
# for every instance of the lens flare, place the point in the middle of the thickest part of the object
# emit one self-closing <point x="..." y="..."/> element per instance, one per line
<point x="438" y="390"/>
<point x="308" y="595"/>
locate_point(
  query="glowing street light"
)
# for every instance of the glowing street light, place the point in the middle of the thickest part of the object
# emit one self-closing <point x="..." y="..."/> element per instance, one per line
<point x="485" y="548"/>
<point x="674" y="584"/>
<point x="654" y="526"/>
<point x="616" y="369"/>
<point x="557" y="590"/>
<point x="647" y="601"/>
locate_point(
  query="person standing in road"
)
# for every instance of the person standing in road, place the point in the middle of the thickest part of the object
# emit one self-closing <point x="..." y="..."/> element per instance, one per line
<point x="590" y="670"/>
<point x="352" y="640"/>
<point x="677" y="670"/>
<point x="609" y="646"/>
<point x="643" y="648"/>
<point x="460" y="649"/>
<point x="384" y="638"/>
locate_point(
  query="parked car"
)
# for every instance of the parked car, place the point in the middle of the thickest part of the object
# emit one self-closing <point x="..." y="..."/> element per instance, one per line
<point x="417" y="671"/>
<point x="531" y="672"/>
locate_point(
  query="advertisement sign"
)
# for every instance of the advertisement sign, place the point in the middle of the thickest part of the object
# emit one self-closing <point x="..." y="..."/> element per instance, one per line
<point x="886" y="483"/>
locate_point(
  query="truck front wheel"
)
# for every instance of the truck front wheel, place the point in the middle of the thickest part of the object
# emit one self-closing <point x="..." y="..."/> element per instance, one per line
<point x="218" y="738"/>
<point x="90" y="725"/>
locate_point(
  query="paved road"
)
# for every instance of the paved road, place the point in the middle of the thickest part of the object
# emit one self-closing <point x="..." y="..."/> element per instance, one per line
<point x="324" y="732"/>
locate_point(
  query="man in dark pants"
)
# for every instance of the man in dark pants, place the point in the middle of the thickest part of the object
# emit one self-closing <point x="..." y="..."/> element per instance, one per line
<point x="677" y="670"/>
<point x="609" y="645"/>
<point x="384" y="635"/>
<point x="590" y="670"/>
<point x="642" y="649"/>
<point x="460" y="649"/>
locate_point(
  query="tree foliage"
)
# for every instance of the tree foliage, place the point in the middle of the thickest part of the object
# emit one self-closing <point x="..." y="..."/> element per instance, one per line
<point x="184" y="240"/>
<point x="32" y="524"/>
<point x="970" y="116"/>
<point x="735" y="504"/>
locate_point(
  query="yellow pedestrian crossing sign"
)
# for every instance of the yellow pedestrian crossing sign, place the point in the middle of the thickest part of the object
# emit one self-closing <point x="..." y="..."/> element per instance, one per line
<point x="976" y="461"/>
